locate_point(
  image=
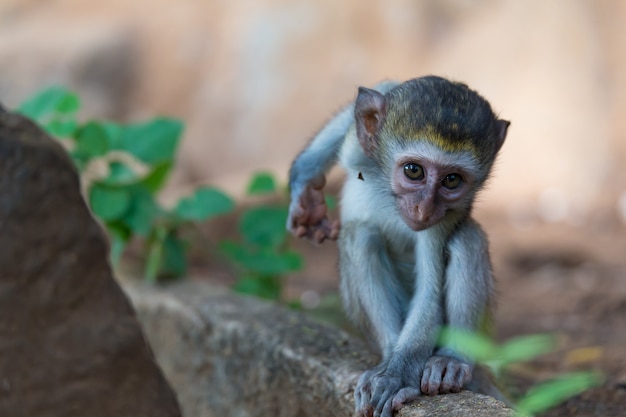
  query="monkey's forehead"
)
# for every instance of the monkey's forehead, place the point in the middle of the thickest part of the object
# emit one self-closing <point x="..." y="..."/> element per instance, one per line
<point x="447" y="114"/>
<point x="450" y="130"/>
<point x="451" y="139"/>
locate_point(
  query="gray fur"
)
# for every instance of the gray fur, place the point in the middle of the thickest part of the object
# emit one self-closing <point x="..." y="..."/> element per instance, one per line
<point x="399" y="285"/>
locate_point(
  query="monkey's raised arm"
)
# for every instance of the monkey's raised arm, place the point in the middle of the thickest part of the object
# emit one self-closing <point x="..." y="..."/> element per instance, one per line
<point x="308" y="214"/>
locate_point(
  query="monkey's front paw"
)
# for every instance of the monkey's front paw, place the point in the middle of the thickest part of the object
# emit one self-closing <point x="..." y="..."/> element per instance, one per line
<point x="445" y="374"/>
<point x="377" y="394"/>
<point x="318" y="232"/>
<point x="308" y="215"/>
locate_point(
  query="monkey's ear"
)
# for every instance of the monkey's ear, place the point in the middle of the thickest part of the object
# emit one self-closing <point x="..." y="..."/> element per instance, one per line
<point x="370" y="110"/>
<point x="501" y="128"/>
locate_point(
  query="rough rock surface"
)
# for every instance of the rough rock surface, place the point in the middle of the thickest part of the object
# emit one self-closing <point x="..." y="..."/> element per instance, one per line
<point x="226" y="354"/>
<point x="70" y="344"/>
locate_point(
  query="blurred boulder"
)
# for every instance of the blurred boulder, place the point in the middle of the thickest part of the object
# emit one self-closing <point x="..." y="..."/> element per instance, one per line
<point x="70" y="344"/>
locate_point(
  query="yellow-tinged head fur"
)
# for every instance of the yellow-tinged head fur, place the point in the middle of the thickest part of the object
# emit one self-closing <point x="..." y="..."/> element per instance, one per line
<point x="431" y="135"/>
<point x="447" y="114"/>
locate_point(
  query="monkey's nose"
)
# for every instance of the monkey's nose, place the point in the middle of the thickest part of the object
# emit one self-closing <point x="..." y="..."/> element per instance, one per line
<point x="423" y="213"/>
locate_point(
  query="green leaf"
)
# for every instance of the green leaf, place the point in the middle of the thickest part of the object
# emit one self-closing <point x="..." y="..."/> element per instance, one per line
<point x="108" y="203"/>
<point x="264" y="226"/>
<point x="289" y="261"/>
<point x="119" y="235"/>
<point x="61" y="128"/>
<point x="204" y="203"/>
<point x="155" y="180"/>
<point x="174" y="259"/>
<point x="152" y="142"/>
<point x="92" y="140"/>
<point x="475" y="346"/>
<point x="143" y="212"/>
<point x="48" y="101"/>
<point x="117" y="249"/>
<point x="261" y="261"/>
<point x="113" y="133"/>
<point x="234" y="251"/>
<point x="121" y="175"/>
<point x="68" y="103"/>
<point x="155" y="254"/>
<point x="526" y="347"/>
<point x="263" y="287"/>
<point x="544" y="396"/>
<point x="262" y="183"/>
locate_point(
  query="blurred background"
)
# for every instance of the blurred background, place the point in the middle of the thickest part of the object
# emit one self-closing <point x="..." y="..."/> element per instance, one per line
<point x="254" y="80"/>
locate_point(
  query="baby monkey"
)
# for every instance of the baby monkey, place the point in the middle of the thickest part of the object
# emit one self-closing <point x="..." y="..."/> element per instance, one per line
<point x="412" y="259"/>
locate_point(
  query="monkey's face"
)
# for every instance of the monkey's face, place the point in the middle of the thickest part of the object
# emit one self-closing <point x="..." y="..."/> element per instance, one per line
<point x="430" y="183"/>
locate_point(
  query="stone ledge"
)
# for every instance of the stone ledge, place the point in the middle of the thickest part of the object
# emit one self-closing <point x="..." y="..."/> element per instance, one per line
<point x="226" y="354"/>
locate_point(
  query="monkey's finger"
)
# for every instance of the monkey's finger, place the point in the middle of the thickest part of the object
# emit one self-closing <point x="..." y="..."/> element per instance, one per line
<point x="425" y="378"/>
<point x="382" y="402"/>
<point x="431" y="384"/>
<point x="362" y="394"/>
<point x="301" y="231"/>
<point x="404" y="396"/>
<point x="319" y="235"/>
<point x="300" y="219"/>
<point x="452" y="380"/>
<point x="366" y="411"/>
<point x="378" y="398"/>
<point x="326" y="230"/>
<point x="331" y="229"/>
<point x="388" y="408"/>
<point x="334" y="230"/>
<point x="457" y="374"/>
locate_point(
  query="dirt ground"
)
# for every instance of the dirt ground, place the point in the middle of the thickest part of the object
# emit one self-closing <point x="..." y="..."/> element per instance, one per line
<point x="568" y="280"/>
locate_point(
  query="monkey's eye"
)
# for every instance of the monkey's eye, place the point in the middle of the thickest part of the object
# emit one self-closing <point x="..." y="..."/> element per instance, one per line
<point x="413" y="171"/>
<point x="452" y="181"/>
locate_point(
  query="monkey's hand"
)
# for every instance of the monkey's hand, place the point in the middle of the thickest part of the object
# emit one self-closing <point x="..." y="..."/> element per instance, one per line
<point x="445" y="374"/>
<point x="308" y="214"/>
<point x="381" y="391"/>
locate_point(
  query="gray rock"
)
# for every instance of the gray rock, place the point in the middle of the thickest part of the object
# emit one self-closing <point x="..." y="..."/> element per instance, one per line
<point x="70" y="344"/>
<point x="228" y="355"/>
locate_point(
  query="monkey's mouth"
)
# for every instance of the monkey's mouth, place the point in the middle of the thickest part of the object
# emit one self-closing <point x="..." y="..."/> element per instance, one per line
<point x="416" y="225"/>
